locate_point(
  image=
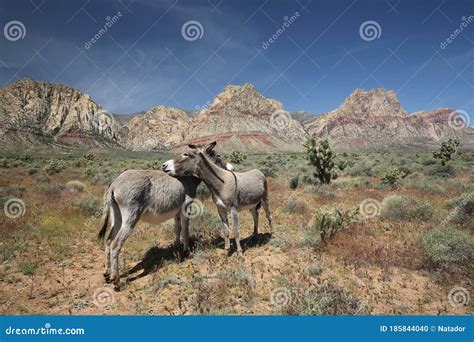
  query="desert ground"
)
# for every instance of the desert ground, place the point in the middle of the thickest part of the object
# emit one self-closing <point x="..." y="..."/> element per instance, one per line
<point x="409" y="250"/>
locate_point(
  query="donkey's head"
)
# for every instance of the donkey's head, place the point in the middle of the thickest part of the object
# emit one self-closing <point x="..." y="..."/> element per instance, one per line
<point x="188" y="162"/>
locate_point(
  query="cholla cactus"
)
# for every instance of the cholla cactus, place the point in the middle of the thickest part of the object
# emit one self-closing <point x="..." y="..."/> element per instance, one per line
<point x="448" y="148"/>
<point x="320" y="155"/>
<point x="393" y="177"/>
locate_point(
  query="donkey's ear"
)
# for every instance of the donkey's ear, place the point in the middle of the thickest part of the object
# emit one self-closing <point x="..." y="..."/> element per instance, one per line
<point x="209" y="147"/>
<point x="193" y="146"/>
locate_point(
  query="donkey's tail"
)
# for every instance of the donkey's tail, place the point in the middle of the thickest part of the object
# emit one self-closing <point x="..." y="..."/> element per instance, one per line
<point x="108" y="198"/>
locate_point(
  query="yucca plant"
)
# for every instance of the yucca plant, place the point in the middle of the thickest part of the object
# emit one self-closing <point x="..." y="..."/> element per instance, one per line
<point x="320" y="155"/>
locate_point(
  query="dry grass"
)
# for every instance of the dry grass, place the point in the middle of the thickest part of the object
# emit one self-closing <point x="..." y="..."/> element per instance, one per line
<point x="52" y="263"/>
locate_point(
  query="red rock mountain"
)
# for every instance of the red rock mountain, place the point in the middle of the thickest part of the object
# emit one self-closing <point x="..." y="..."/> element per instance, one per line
<point x="240" y="118"/>
<point x="376" y="119"/>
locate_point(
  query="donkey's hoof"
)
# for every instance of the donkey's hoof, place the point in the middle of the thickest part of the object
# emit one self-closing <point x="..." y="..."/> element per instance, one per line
<point x="118" y="286"/>
<point x="107" y="277"/>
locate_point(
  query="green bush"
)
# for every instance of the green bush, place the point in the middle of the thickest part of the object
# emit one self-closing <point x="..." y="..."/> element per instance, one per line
<point x="328" y="223"/>
<point x="397" y="207"/>
<point x="392" y="178"/>
<point x="268" y="171"/>
<point x="203" y="191"/>
<point x="55" y="166"/>
<point x="294" y="207"/>
<point x="448" y="246"/>
<point x="237" y="157"/>
<point x="442" y="171"/>
<point x="363" y="167"/>
<point x="88" y="205"/>
<point x="463" y="208"/>
<point x="294" y="182"/>
<point x="425" y="184"/>
<point x="323" y="299"/>
<point x="76" y="185"/>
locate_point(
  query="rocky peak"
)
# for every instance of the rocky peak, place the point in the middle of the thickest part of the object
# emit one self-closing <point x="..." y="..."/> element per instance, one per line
<point x="160" y="127"/>
<point x="55" y="110"/>
<point x="375" y="102"/>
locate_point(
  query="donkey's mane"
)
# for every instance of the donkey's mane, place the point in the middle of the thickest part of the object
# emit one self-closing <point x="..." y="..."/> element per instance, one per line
<point x="216" y="159"/>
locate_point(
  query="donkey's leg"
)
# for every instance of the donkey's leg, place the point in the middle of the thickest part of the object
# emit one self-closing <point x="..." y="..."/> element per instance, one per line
<point x="235" y="228"/>
<point x="116" y="223"/>
<point x="129" y="221"/>
<point x="185" y="229"/>
<point x="177" y="229"/>
<point x="265" y="205"/>
<point x="225" y="228"/>
<point x="254" y="212"/>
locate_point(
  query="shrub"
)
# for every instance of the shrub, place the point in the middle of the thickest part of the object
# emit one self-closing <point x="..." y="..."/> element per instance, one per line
<point x="27" y="267"/>
<point x="294" y="182"/>
<point x="76" y="185"/>
<point x="294" y="207"/>
<point x="32" y="170"/>
<point x="362" y="168"/>
<point x="463" y="208"/>
<point x="392" y="178"/>
<point x="328" y="223"/>
<point x="448" y="246"/>
<point x="55" y="166"/>
<point x="323" y="299"/>
<point x="89" y="157"/>
<point x="418" y="181"/>
<point x="315" y="270"/>
<point x="203" y="191"/>
<point x="443" y="171"/>
<point x="447" y="150"/>
<point x="237" y="157"/>
<point x="320" y="155"/>
<point x="397" y="207"/>
<point x="268" y="171"/>
<point x="53" y="190"/>
<point x="88" y="205"/>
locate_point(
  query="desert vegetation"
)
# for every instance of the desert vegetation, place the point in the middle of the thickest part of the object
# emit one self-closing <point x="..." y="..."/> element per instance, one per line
<point x="393" y="234"/>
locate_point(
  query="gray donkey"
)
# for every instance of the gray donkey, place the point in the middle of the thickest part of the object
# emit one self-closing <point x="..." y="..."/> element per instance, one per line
<point x="231" y="191"/>
<point x="150" y="195"/>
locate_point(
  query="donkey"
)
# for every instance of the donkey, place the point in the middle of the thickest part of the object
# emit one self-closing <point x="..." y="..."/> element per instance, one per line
<point x="231" y="191"/>
<point x="150" y="195"/>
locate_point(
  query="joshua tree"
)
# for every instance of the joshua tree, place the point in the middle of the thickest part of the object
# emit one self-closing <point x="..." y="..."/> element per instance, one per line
<point x="320" y="155"/>
<point x="448" y="148"/>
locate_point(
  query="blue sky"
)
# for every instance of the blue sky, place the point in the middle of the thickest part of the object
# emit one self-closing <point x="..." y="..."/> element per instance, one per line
<point x="143" y="59"/>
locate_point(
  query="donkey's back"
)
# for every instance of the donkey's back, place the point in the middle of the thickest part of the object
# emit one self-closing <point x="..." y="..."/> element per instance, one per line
<point x="148" y="193"/>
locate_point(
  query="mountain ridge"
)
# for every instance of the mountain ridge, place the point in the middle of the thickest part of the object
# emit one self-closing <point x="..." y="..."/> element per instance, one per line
<point x="239" y="118"/>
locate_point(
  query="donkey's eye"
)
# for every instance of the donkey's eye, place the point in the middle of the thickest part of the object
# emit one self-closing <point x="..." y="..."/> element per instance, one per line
<point x="185" y="155"/>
